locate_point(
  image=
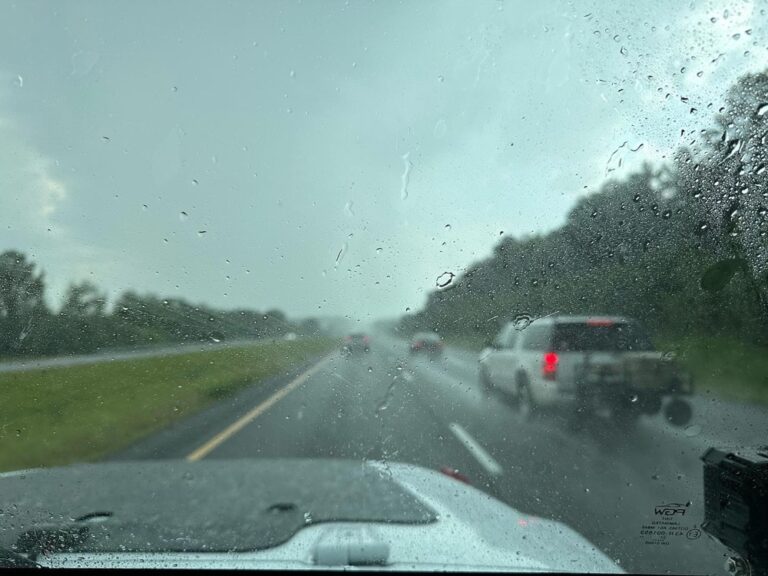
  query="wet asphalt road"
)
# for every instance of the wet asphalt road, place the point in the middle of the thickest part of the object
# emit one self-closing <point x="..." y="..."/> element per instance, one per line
<point x="605" y="481"/>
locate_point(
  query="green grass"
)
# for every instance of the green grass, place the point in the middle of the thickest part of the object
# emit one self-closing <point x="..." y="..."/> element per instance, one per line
<point x="725" y="367"/>
<point x="57" y="416"/>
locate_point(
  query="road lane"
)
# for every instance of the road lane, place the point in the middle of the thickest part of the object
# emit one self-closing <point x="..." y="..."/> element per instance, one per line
<point x="385" y="405"/>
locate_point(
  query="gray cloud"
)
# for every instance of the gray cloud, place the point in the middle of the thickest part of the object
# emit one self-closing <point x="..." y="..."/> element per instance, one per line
<point x="279" y="129"/>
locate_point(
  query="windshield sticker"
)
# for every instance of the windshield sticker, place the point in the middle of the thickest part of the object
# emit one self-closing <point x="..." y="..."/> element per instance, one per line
<point x="669" y="523"/>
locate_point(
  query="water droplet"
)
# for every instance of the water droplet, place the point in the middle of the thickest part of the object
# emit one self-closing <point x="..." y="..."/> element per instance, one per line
<point x="762" y="109"/>
<point x="406" y="175"/>
<point x="522" y="321"/>
<point x="623" y="51"/>
<point x="105" y="138"/>
<point x="194" y="180"/>
<point x="379" y="250"/>
<point x="307" y="517"/>
<point x="441" y="79"/>
<point x="202" y="233"/>
<point x="183" y="216"/>
<point x="292" y="73"/>
<point x="586" y="490"/>
<point x="370" y="369"/>
<point x="447" y="226"/>
<point x="633" y="398"/>
<point x="144" y="207"/>
<point x="692" y="430"/>
<point x="445" y="279"/>
<point x="732" y="148"/>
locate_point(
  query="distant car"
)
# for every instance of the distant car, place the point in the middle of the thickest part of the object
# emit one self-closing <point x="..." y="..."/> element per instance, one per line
<point x="356" y="343"/>
<point x="586" y="364"/>
<point x="426" y="342"/>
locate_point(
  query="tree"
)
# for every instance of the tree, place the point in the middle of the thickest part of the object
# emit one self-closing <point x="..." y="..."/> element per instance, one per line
<point x="21" y="301"/>
<point x="84" y="300"/>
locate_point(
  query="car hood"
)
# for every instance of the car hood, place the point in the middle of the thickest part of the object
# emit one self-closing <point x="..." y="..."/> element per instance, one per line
<point x="276" y="513"/>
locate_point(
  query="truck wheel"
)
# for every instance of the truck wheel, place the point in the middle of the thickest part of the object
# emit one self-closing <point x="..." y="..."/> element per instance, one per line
<point x="678" y="412"/>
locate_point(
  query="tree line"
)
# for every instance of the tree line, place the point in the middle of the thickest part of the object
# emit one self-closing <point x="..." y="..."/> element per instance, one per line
<point x="85" y="322"/>
<point x="682" y="247"/>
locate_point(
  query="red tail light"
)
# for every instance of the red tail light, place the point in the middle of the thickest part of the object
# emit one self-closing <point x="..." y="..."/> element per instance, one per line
<point x="448" y="471"/>
<point x="549" y="367"/>
<point x="599" y="322"/>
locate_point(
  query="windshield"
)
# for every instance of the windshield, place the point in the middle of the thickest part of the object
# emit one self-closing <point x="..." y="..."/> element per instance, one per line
<point x="611" y="338"/>
<point x="336" y="276"/>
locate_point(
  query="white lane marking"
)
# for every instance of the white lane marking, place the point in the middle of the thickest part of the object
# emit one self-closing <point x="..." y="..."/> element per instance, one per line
<point x="474" y="448"/>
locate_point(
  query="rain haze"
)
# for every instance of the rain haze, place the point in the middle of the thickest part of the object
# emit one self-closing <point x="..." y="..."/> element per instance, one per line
<point x="332" y="157"/>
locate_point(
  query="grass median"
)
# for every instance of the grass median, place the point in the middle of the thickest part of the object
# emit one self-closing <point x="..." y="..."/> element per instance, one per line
<point x="724" y="367"/>
<point x="56" y="416"/>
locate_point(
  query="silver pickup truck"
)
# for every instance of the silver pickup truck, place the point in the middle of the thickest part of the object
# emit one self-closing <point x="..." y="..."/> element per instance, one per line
<point x="587" y="365"/>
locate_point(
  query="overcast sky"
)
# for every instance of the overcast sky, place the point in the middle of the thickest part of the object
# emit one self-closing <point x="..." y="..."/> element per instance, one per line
<point x="332" y="157"/>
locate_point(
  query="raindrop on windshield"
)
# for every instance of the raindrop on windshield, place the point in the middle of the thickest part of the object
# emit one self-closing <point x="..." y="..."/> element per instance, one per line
<point x="445" y="279"/>
<point x="183" y="216"/>
<point x="406" y="175"/>
<point x="202" y="233"/>
<point x="762" y="110"/>
<point x="194" y="181"/>
<point x="692" y="430"/>
<point x="522" y="321"/>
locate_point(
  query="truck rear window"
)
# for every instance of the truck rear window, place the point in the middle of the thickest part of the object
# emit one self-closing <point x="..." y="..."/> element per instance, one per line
<point x="620" y="337"/>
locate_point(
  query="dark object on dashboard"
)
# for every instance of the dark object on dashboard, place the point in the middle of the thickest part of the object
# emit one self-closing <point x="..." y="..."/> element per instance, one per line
<point x="736" y="503"/>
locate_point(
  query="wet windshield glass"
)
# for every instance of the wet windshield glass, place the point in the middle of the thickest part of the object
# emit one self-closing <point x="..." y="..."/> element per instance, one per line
<point x="613" y="338"/>
<point x="328" y="281"/>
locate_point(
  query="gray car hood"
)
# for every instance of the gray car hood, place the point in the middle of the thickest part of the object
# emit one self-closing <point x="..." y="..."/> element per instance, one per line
<point x="277" y="514"/>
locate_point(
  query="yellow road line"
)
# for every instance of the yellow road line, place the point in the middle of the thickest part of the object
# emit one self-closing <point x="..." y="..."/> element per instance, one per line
<point x="239" y="424"/>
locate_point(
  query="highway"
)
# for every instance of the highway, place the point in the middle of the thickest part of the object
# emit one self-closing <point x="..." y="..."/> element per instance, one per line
<point x="605" y="482"/>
